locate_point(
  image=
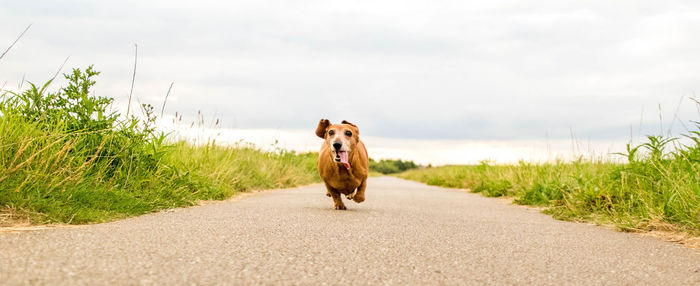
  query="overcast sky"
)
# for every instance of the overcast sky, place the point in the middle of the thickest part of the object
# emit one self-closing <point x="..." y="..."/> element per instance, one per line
<point x="476" y="70"/>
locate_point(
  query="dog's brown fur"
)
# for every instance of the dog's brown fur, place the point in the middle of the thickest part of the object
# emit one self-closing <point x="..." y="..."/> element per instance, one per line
<point x="338" y="179"/>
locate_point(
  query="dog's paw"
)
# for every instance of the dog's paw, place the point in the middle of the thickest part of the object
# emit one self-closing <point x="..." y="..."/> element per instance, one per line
<point x="340" y="207"/>
<point x="358" y="199"/>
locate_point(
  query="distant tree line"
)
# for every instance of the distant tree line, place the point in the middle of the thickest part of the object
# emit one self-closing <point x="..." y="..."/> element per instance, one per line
<point x="388" y="166"/>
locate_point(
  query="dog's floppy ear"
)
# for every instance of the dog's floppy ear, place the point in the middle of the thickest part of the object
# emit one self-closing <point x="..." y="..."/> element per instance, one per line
<point x="348" y="123"/>
<point x="321" y="129"/>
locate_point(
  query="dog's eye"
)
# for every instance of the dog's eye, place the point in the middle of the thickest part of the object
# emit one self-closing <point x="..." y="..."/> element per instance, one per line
<point x="348" y="133"/>
<point x="331" y="132"/>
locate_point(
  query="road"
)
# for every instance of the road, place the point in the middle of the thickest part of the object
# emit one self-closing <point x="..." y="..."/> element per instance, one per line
<point x="405" y="233"/>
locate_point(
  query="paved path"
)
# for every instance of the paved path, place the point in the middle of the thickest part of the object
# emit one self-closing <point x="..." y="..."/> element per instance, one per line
<point x="405" y="233"/>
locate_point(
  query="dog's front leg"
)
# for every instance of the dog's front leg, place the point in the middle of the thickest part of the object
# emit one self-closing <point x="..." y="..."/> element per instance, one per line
<point x="359" y="195"/>
<point x="337" y="200"/>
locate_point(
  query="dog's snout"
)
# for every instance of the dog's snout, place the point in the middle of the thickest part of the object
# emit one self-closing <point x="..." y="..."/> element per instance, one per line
<point x="337" y="145"/>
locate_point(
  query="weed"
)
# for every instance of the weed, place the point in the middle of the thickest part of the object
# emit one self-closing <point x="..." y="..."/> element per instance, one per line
<point x="658" y="186"/>
<point x="65" y="157"/>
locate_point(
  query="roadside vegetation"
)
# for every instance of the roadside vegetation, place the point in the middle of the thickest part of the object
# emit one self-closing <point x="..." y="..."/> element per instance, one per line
<point x="66" y="158"/>
<point x="657" y="189"/>
<point x="388" y="166"/>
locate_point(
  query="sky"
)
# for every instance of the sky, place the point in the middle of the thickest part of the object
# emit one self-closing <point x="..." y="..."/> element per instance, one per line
<point x="452" y="73"/>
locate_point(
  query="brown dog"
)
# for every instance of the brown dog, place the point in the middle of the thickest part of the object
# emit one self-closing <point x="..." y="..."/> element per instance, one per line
<point x="343" y="162"/>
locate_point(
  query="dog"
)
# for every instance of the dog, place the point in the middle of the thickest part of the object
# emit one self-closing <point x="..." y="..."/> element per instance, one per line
<point x="343" y="163"/>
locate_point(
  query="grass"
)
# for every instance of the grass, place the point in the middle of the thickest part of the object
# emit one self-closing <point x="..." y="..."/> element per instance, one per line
<point x="389" y="166"/>
<point x="658" y="189"/>
<point x="65" y="158"/>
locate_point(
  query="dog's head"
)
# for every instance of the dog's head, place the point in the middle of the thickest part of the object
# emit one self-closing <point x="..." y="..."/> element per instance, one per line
<point x="341" y="138"/>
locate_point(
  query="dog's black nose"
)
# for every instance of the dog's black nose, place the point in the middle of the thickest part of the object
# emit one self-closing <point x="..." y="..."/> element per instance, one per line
<point x="337" y="146"/>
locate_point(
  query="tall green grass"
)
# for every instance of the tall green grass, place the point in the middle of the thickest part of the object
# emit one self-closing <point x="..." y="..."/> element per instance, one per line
<point x="657" y="189"/>
<point x="65" y="157"/>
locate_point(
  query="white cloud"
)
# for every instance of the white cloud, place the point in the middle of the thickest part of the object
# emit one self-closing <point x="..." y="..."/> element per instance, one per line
<point x="478" y="70"/>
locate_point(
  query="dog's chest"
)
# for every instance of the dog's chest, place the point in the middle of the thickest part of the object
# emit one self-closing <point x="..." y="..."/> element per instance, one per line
<point x="345" y="181"/>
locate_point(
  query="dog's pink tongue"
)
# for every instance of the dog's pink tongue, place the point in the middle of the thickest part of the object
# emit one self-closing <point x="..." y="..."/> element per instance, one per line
<point x="344" y="159"/>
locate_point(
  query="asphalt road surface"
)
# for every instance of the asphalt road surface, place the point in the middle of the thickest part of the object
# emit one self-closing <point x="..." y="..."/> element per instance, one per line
<point x="404" y="233"/>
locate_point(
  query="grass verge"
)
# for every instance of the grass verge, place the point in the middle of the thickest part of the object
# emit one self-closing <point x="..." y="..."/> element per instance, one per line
<point x="657" y="190"/>
<point x="65" y="158"/>
<point x="389" y="166"/>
